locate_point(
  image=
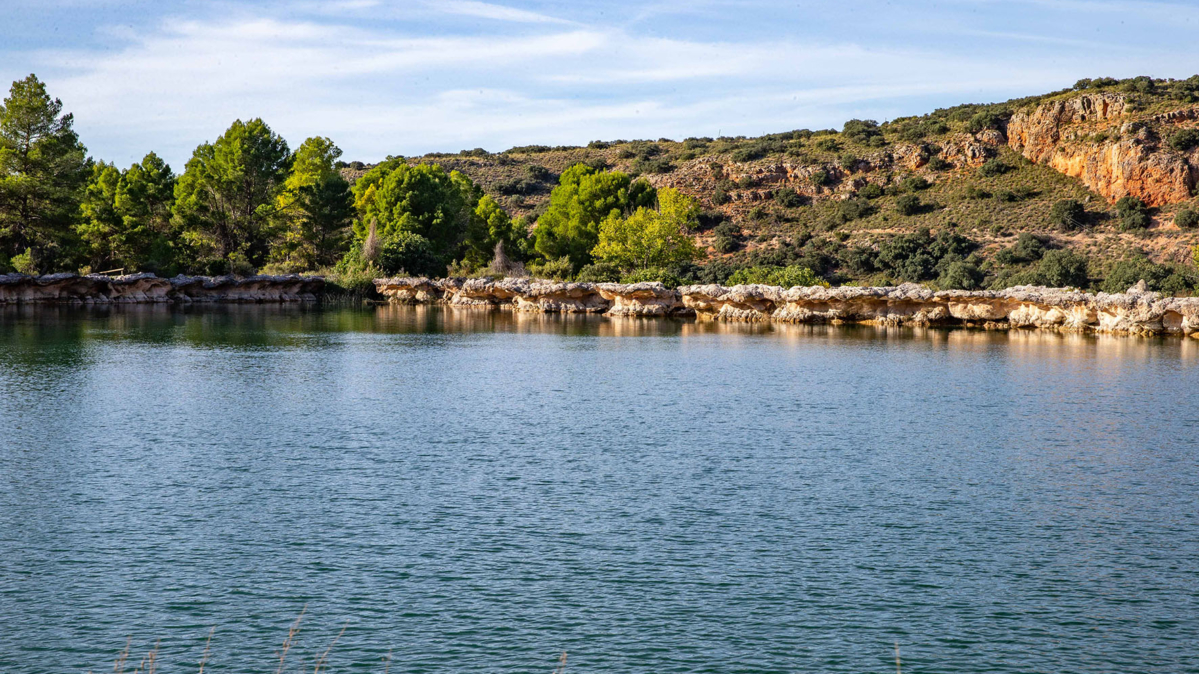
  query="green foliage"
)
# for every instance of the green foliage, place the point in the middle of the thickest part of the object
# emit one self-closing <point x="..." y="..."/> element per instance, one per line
<point x="649" y="237"/>
<point x="908" y="204"/>
<point x="582" y="200"/>
<point x="787" y="197"/>
<point x="42" y="173"/>
<point x="314" y="208"/>
<point x="986" y="119"/>
<point x="720" y="197"/>
<point x="1185" y="139"/>
<point x="992" y="168"/>
<point x="599" y="272"/>
<point x="821" y="178"/>
<point x="914" y="184"/>
<point x="422" y="200"/>
<point x="784" y="277"/>
<point x="854" y="209"/>
<point x="490" y="225"/>
<point x="653" y="274"/>
<point x="863" y="131"/>
<point x="1062" y="269"/>
<point x="407" y="253"/>
<point x="726" y="237"/>
<point x="916" y="257"/>
<point x="939" y="164"/>
<point x="870" y="191"/>
<point x="1186" y="218"/>
<point x="559" y="269"/>
<point x="24" y="263"/>
<point x="961" y="275"/>
<point x="1158" y="277"/>
<point x="1028" y="248"/>
<point x="225" y="199"/>
<point x="125" y="217"/>
<point x="1132" y="213"/>
<point x="1067" y="215"/>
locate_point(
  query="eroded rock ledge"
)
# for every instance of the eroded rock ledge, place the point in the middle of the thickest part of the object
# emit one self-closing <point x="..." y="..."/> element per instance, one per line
<point x="148" y="288"/>
<point x="1134" y="312"/>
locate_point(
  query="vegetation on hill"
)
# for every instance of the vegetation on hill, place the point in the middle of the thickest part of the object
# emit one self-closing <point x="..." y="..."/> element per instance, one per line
<point x="938" y="199"/>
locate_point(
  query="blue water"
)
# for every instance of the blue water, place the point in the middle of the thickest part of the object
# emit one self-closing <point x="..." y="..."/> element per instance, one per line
<point x="480" y="492"/>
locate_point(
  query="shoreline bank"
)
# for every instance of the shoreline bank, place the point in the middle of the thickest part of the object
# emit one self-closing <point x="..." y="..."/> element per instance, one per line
<point x="150" y="289"/>
<point x="1135" y="312"/>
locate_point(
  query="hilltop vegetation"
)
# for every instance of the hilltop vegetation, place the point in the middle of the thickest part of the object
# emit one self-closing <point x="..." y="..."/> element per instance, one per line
<point x="945" y="199"/>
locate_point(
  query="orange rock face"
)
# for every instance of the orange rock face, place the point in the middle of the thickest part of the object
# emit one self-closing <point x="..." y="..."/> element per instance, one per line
<point x="1121" y="160"/>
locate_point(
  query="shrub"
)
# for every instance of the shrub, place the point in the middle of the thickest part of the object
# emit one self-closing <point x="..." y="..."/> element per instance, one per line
<point x="870" y="191"/>
<point x="652" y="274"/>
<point x="1186" y="218"/>
<point x="961" y="275"/>
<point x="559" y="269"/>
<point x="987" y="119"/>
<point x="654" y="165"/>
<point x="821" y="178"/>
<point x="908" y="256"/>
<point x="828" y="144"/>
<point x="908" y="204"/>
<point x="992" y="168"/>
<point x="1126" y="273"/>
<point x="1068" y="215"/>
<point x="973" y="192"/>
<point x="599" y="272"/>
<point x="939" y="164"/>
<point x="537" y="172"/>
<point x="788" y="198"/>
<point x="854" y="209"/>
<point x="1063" y="268"/>
<point x="914" y="184"/>
<point x="1185" y="140"/>
<point x="720" y="197"/>
<point x="408" y="253"/>
<point x="786" y="277"/>
<point x="1132" y="213"/>
<point x="726" y="237"/>
<point x="860" y="260"/>
<point x="864" y="131"/>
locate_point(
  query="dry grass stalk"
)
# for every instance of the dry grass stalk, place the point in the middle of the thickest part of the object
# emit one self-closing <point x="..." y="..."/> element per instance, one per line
<point x="291" y="639"/>
<point x="898" y="667"/>
<point x="118" y="666"/>
<point x="207" y="645"/>
<point x="387" y="667"/>
<point x="371" y="246"/>
<point x="561" y="668"/>
<point x="324" y="657"/>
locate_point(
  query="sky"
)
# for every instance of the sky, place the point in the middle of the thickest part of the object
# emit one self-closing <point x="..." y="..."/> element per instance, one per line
<point x="406" y="77"/>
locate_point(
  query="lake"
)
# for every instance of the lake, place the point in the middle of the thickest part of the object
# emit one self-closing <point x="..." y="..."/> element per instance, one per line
<point x="479" y="492"/>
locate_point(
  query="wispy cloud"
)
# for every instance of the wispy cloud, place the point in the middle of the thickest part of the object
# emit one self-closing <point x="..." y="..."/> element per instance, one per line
<point x="487" y="10"/>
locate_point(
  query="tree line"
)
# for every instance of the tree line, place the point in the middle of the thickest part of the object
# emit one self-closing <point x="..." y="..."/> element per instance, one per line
<point x="246" y="202"/>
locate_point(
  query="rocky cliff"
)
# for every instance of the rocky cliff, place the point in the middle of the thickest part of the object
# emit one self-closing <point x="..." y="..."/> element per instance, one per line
<point x="148" y="288"/>
<point x="1100" y="139"/>
<point x="1133" y="312"/>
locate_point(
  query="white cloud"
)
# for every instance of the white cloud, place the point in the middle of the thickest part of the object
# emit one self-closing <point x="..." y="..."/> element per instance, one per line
<point x="486" y="10"/>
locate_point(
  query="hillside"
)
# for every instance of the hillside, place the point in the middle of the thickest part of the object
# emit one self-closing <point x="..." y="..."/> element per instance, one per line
<point x="838" y="201"/>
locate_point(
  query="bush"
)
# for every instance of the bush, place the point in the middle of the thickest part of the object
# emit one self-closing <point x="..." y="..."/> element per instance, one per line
<point x="24" y="263"/>
<point x="914" y="184"/>
<point x="864" y="131"/>
<point x="961" y="275"/>
<point x="726" y="237"/>
<point x="854" y="209"/>
<point x="1068" y="215"/>
<point x="538" y="172"/>
<point x="908" y="204"/>
<point x="411" y="254"/>
<point x="939" y="164"/>
<point x="992" y="168"/>
<point x="1132" y="213"/>
<point x="720" y="197"/>
<point x="987" y="119"/>
<point x="1126" y="273"/>
<point x="1185" y="140"/>
<point x="1186" y="218"/>
<point x="908" y="256"/>
<point x="599" y="272"/>
<point x="1063" y="268"/>
<point x="785" y="277"/>
<point x="821" y="178"/>
<point x="652" y="165"/>
<point x="973" y="192"/>
<point x="558" y="269"/>
<point x="652" y="274"/>
<point x="788" y="198"/>
<point x="870" y="191"/>
<point x="859" y="260"/>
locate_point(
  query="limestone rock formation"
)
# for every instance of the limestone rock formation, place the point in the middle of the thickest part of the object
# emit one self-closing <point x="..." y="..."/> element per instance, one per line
<point x="1090" y="138"/>
<point x="148" y="288"/>
<point x="1132" y="312"/>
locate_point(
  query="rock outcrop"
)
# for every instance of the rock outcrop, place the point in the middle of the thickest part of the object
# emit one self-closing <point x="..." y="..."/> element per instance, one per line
<point x="1090" y="137"/>
<point x="1133" y="312"/>
<point x="148" y="288"/>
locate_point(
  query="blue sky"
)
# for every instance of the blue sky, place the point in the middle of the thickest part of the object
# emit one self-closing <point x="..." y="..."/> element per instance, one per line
<point x="384" y="77"/>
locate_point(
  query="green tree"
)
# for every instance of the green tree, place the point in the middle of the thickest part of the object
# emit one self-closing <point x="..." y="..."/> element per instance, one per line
<point x="583" y="199"/>
<point x="422" y="200"/>
<point x="491" y="225"/>
<point x="315" y="207"/>
<point x="43" y="170"/>
<point x="649" y="237"/>
<point x="225" y="201"/>
<point x="126" y="216"/>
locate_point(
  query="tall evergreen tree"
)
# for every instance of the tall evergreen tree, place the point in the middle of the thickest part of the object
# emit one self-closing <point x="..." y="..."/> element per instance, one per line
<point x="127" y="217"/>
<point x="315" y="206"/>
<point x="225" y="201"/>
<point x="43" y="169"/>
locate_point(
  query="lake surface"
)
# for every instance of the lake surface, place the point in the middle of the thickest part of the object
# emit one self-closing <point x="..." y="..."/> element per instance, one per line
<point x="480" y="492"/>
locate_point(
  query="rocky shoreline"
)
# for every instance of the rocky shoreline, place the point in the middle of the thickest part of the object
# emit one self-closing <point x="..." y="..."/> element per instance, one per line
<point x="148" y="289"/>
<point x="1136" y="311"/>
